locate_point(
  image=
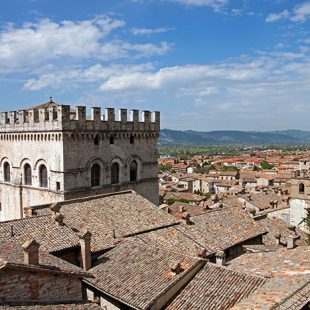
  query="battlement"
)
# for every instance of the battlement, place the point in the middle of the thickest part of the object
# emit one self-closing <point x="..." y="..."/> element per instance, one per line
<point x="64" y="117"/>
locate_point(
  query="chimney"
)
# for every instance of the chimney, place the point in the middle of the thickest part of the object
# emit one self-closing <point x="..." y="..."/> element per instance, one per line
<point x="291" y="242"/>
<point x="175" y="268"/>
<point x="185" y="219"/>
<point x="181" y="209"/>
<point x="59" y="219"/>
<point x="55" y="207"/>
<point x="31" y="252"/>
<point x="85" y="243"/>
<point x="278" y="237"/>
<point x="202" y="253"/>
<point x="220" y="258"/>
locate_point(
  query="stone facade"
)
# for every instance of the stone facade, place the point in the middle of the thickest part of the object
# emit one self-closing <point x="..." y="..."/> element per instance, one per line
<point x="24" y="286"/>
<point x="299" y="201"/>
<point x="53" y="152"/>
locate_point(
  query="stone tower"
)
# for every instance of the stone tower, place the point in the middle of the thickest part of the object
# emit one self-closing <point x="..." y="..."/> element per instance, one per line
<point x="299" y="198"/>
<point x="53" y="152"/>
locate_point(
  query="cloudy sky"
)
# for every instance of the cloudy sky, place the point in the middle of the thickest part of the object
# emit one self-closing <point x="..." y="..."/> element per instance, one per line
<point x="205" y="64"/>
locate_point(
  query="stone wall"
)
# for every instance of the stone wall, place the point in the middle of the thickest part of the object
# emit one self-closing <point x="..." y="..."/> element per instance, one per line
<point x="69" y="144"/>
<point x="21" y="286"/>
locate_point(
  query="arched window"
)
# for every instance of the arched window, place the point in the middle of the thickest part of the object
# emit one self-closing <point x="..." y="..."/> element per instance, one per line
<point x="132" y="140"/>
<point x="27" y="175"/>
<point x="301" y="188"/>
<point x="115" y="173"/>
<point x="7" y="172"/>
<point x="43" y="176"/>
<point x="95" y="175"/>
<point x="133" y="171"/>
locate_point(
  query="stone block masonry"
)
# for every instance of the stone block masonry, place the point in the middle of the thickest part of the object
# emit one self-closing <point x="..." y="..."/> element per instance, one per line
<point x="55" y="152"/>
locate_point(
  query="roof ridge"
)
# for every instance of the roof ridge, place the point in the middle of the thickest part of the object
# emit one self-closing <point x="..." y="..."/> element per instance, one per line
<point x="24" y="218"/>
<point x="88" y="198"/>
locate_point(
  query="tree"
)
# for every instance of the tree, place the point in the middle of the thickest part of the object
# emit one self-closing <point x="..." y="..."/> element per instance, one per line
<point x="229" y="168"/>
<point x="265" y="165"/>
<point x="164" y="167"/>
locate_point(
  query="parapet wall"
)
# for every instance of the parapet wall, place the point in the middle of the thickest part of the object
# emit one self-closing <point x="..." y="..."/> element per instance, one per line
<point x="63" y="117"/>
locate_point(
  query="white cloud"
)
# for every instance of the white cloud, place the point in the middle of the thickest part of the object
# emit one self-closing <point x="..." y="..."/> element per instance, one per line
<point x="235" y="91"/>
<point x="118" y="49"/>
<point x="215" y="4"/>
<point x="300" y="13"/>
<point x="33" y="44"/>
<point x="148" y="31"/>
<point x="182" y="75"/>
<point x="274" y="17"/>
<point x="56" y="78"/>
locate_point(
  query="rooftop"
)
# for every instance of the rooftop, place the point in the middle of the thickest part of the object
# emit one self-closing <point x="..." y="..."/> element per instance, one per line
<point x="226" y="227"/>
<point x="12" y="255"/>
<point x="113" y="216"/>
<point x="288" y="278"/>
<point x="217" y="287"/>
<point x="43" y="229"/>
<point x="145" y="271"/>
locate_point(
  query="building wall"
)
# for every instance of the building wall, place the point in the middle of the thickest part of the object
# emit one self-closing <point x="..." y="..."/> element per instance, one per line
<point x="31" y="148"/>
<point x="68" y="145"/>
<point x="299" y="202"/>
<point x="20" y="286"/>
<point x="283" y="214"/>
<point x="298" y="213"/>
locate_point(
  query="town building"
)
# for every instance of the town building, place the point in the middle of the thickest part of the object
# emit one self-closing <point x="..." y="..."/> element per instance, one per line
<point x="53" y="153"/>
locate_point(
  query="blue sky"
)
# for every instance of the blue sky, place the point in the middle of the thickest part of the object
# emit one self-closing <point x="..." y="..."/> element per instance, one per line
<point x="205" y="64"/>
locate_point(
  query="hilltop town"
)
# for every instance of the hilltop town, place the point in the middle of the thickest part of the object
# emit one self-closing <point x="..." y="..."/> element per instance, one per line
<point x="87" y="222"/>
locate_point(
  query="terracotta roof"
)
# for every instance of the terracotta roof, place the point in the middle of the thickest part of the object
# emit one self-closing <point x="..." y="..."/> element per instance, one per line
<point x="297" y="300"/>
<point x="51" y="236"/>
<point x="224" y="228"/>
<point x="12" y="256"/>
<point x="184" y="195"/>
<point x="288" y="273"/>
<point x="113" y="216"/>
<point x="228" y="173"/>
<point x="263" y="200"/>
<point x="217" y="288"/>
<point x="276" y="226"/>
<point x="136" y="273"/>
<point x="280" y="263"/>
<point x="175" y="209"/>
<point x="67" y="306"/>
<point x="177" y="239"/>
<point x="277" y="292"/>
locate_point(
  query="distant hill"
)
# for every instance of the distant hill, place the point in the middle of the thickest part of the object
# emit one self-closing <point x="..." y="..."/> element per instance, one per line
<point x="231" y="137"/>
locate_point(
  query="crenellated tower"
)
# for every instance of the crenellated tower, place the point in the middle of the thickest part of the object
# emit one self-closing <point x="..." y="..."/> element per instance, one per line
<point x="55" y="152"/>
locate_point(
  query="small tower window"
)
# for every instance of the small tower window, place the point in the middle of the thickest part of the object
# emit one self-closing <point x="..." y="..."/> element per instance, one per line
<point x="115" y="173"/>
<point x="301" y="188"/>
<point x="133" y="171"/>
<point x="111" y="140"/>
<point x="96" y="140"/>
<point x="7" y="172"/>
<point x="132" y="140"/>
<point x="27" y="175"/>
<point x="95" y="175"/>
<point x="43" y="176"/>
